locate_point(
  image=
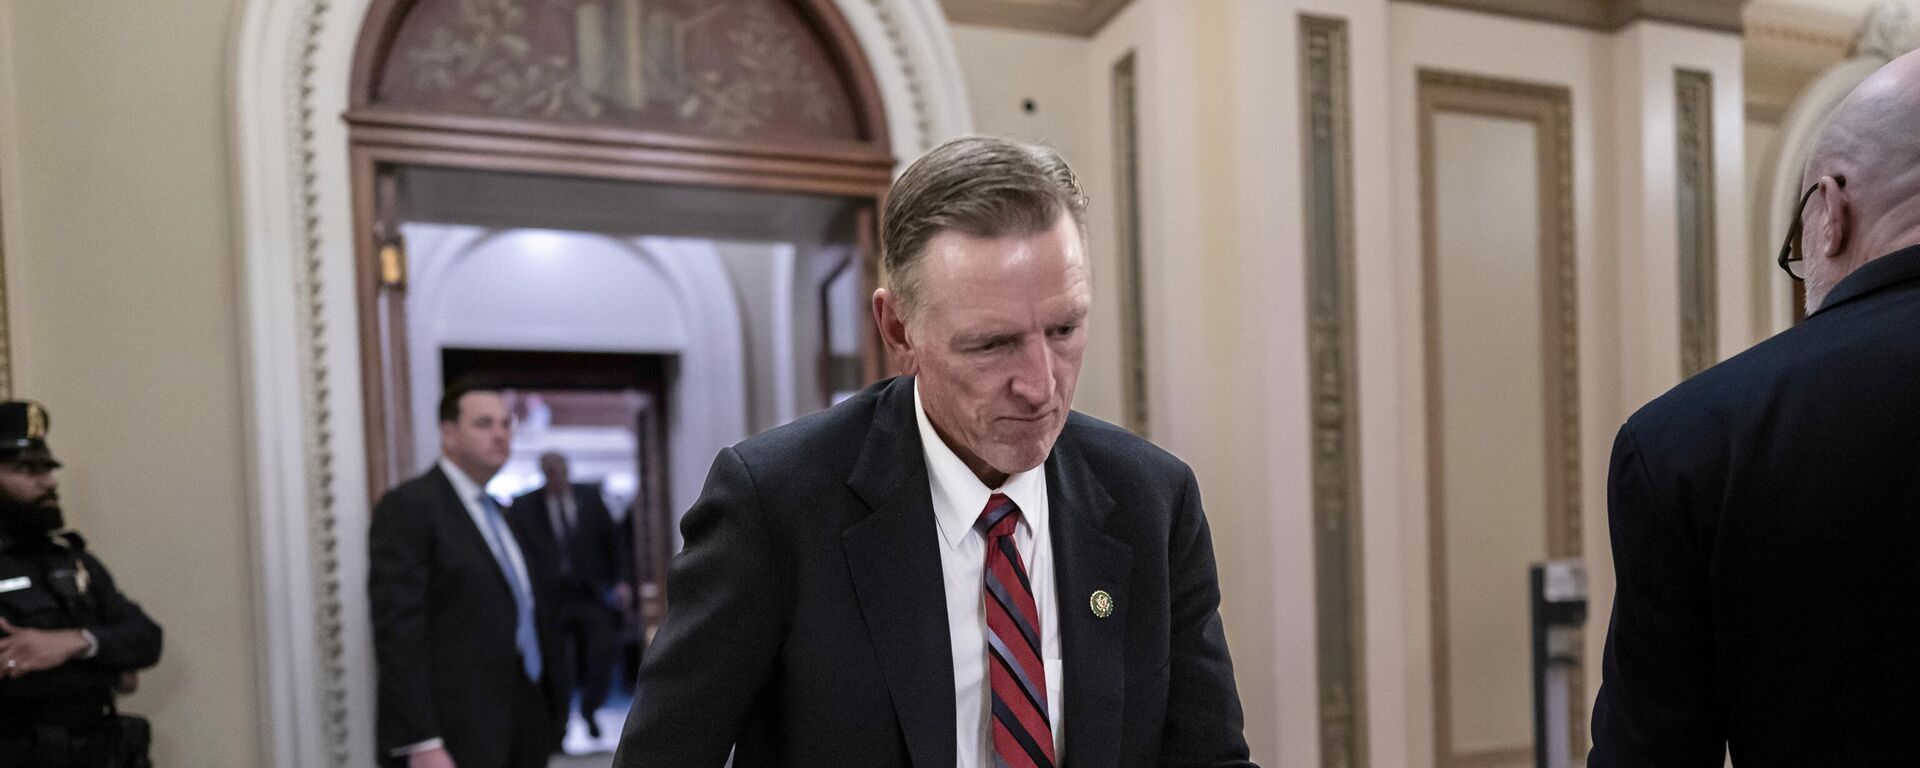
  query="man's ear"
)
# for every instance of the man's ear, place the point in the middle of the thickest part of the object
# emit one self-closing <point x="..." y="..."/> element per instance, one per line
<point x="888" y="317"/>
<point x="1836" y="226"/>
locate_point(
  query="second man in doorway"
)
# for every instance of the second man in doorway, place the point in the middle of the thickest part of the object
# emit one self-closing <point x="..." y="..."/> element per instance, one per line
<point x="573" y="552"/>
<point x="456" y="636"/>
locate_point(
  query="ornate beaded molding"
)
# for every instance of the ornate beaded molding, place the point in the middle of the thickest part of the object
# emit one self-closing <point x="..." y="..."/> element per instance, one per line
<point x="897" y="38"/>
<point x="323" y="533"/>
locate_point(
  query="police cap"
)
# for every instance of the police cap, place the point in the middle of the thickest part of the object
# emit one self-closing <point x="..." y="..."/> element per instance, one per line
<point x="23" y="433"/>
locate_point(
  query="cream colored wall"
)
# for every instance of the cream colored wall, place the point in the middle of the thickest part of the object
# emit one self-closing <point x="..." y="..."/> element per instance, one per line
<point x="1762" y="153"/>
<point x="120" y="281"/>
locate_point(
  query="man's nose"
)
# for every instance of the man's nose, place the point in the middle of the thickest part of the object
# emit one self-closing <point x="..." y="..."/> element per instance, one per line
<point x="1033" y="382"/>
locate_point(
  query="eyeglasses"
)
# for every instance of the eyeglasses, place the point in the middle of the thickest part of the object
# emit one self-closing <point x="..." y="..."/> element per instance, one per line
<point x="1792" y="260"/>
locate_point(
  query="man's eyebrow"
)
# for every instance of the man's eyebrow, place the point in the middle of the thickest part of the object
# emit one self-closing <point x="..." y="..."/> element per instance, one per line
<point x="983" y="337"/>
<point x="1077" y="316"/>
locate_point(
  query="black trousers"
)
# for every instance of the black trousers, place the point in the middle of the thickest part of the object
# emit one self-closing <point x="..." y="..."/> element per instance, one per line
<point x="586" y="632"/>
<point x="529" y="746"/>
<point x="532" y="728"/>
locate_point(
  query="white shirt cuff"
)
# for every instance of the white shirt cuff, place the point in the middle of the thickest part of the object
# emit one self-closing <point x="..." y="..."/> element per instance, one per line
<point x="93" y="644"/>
<point x="414" y="749"/>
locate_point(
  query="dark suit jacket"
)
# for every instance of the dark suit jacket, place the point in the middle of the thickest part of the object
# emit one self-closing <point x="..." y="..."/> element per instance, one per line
<point x="443" y="625"/>
<point x="807" y="619"/>
<point x="595" y="548"/>
<point x="1766" y="542"/>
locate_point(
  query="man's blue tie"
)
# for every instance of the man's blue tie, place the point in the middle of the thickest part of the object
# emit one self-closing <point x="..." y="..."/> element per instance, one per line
<point x="525" y="636"/>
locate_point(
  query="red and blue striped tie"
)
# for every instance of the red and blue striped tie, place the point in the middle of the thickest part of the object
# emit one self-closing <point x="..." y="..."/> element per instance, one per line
<point x="1022" y="729"/>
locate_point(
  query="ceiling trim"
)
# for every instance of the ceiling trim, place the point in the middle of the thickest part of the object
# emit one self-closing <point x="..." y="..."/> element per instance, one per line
<point x="1064" y="17"/>
<point x="1609" y="15"/>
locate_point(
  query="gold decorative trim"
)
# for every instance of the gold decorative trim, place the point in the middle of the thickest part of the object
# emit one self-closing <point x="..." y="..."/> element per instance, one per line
<point x="1550" y="109"/>
<point x="1610" y="15"/>
<point x="1694" y="197"/>
<point x="1327" y="162"/>
<point x="1126" y="214"/>
<point x="1065" y="17"/>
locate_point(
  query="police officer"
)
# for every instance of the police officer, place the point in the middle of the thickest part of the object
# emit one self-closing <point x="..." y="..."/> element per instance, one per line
<point x="68" y="638"/>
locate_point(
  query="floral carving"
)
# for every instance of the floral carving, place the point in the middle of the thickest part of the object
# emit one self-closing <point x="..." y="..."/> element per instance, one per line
<point x="733" y="68"/>
<point x="487" y="52"/>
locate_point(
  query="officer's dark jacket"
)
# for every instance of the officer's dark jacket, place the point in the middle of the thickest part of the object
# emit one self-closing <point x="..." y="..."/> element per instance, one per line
<point x="65" y="587"/>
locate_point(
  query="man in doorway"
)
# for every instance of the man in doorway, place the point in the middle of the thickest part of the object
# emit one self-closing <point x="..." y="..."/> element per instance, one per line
<point x="69" y="639"/>
<point x="1763" y="512"/>
<point x="581" y="578"/>
<point x="951" y="567"/>
<point x="456" y="633"/>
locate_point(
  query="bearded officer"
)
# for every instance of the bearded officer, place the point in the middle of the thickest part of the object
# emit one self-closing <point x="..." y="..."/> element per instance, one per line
<point x="68" y="638"/>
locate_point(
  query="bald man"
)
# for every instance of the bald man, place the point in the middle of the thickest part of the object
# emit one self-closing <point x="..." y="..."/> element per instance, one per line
<point x="1766" y="513"/>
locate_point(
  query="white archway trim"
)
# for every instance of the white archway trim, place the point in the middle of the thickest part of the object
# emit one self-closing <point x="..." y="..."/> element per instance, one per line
<point x="918" y="71"/>
<point x="306" y="452"/>
<point x="708" y="409"/>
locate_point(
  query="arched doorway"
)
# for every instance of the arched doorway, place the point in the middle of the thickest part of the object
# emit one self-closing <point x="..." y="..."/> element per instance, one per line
<point x="767" y="95"/>
<point x="302" y="271"/>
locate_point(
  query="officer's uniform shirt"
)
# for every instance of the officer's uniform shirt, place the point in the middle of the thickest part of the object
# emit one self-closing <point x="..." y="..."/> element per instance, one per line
<point x="53" y="583"/>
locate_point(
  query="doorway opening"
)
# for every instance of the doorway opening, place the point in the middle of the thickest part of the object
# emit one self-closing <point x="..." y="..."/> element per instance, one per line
<point x="636" y="329"/>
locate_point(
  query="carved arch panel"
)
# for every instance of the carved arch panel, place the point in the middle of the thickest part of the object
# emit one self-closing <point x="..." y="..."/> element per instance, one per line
<point x="747" y="71"/>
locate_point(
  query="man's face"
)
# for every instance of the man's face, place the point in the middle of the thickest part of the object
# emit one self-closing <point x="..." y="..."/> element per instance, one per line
<point x="555" y="468"/>
<point x="996" y="340"/>
<point x="29" y="484"/>
<point x="479" y="441"/>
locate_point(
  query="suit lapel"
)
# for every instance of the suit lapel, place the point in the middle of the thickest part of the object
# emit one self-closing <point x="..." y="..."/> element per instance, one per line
<point x="1087" y="559"/>
<point x="461" y="522"/>
<point x="895" y="562"/>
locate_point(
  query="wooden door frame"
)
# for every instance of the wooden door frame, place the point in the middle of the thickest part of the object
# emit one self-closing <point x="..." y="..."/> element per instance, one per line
<point x="383" y="139"/>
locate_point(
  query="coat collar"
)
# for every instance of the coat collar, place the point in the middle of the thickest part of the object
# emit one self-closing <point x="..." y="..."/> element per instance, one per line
<point x="1892" y="269"/>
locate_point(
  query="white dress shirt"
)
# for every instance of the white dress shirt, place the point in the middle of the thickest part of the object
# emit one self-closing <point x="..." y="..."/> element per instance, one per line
<point x="958" y="499"/>
<point x="469" y="493"/>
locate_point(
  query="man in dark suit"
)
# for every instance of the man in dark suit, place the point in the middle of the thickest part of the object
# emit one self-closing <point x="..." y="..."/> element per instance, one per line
<point x="580" y="576"/>
<point x="455" y="632"/>
<point x="1766" y="513"/>
<point x="950" y="568"/>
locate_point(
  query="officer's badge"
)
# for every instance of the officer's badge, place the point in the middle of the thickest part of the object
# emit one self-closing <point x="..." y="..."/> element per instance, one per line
<point x="36" y="422"/>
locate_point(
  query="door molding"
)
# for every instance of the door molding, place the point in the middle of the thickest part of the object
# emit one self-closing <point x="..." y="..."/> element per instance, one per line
<point x="1549" y="109"/>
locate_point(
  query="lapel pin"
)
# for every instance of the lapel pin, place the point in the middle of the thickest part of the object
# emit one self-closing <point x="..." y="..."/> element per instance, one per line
<point x="1102" y="603"/>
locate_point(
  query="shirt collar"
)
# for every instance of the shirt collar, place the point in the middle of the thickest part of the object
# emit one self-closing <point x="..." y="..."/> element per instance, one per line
<point x="463" y="486"/>
<point x="958" y="495"/>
